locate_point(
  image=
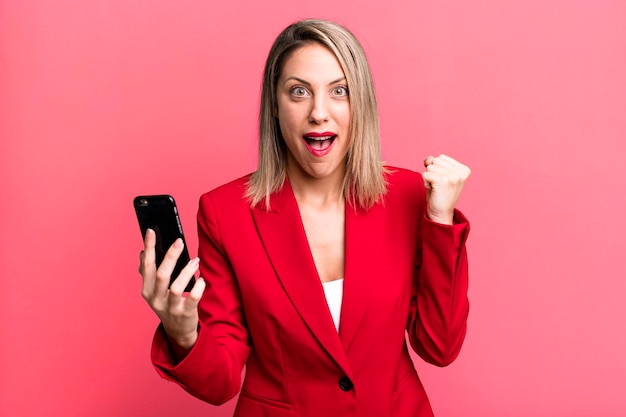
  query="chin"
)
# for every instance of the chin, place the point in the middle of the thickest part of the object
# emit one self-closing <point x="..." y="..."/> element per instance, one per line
<point x="323" y="173"/>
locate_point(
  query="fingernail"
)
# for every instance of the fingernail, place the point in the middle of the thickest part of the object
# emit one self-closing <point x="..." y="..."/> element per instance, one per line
<point x="178" y="243"/>
<point x="195" y="261"/>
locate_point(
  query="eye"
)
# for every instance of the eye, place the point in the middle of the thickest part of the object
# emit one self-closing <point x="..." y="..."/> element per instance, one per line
<point x="340" y="91"/>
<point x="299" y="91"/>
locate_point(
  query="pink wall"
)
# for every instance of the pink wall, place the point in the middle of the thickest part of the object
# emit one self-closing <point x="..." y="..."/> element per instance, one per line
<point x="105" y="99"/>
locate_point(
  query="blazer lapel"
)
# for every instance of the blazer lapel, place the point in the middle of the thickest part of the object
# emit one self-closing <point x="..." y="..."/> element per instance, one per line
<point x="283" y="236"/>
<point x="364" y="236"/>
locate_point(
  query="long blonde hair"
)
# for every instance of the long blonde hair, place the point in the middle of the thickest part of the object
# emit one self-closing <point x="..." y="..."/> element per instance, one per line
<point x="364" y="183"/>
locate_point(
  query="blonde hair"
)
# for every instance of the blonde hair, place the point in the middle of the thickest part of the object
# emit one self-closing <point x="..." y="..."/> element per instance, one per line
<point x="364" y="181"/>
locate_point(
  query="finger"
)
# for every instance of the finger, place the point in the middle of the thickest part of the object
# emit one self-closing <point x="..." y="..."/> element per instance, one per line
<point x="164" y="273"/>
<point x="439" y="167"/>
<point x="445" y="161"/>
<point x="196" y="293"/>
<point x="180" y="283"/>
<point x="147" y="266"/>
<point x="442" y="178"/>
<point x="149" y="242"/>
<point x="428" y="178"/>
<point x="453" y="163"/>
<point x="449" y="171"/>
<point x="448" y="158"/>
<point x="428" y="160"/>
<point x="433" y="162"/>
<point x="445" y="172"/>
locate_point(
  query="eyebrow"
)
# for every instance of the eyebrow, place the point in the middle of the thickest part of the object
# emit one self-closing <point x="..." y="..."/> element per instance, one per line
<point x="309" y="84"/>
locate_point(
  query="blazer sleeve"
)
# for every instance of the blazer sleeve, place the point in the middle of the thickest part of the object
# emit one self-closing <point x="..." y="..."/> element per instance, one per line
<point x="439" y="305"/>
<point x="212" y="369"/>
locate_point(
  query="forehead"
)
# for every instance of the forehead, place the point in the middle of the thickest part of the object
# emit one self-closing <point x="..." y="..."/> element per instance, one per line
<point x="312" y="62"/>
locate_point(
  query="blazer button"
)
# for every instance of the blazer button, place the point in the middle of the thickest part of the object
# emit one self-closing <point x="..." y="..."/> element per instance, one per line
<point x="345" y="384"/>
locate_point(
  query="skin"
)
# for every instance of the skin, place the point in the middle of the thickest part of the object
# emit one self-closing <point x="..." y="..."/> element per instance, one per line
<point x="444" y="180"/>
<point x="177" y="311"/>
<point x="311" y="97"/>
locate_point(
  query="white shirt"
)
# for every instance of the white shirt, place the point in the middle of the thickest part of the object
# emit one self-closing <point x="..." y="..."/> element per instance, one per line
<point x="333" y="290"/>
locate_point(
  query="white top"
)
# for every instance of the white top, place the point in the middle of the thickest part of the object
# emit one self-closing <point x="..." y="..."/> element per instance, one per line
<point x="333" y="290"/>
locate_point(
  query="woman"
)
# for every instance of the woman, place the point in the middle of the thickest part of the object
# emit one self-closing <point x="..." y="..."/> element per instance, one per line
<point x="316" y="265"/>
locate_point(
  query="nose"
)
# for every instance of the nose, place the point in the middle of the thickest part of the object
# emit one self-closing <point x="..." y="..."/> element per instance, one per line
<point x="319" y="110"/>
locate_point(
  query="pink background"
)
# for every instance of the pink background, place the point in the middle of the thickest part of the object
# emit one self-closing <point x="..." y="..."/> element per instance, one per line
<point x="102" y="100"/>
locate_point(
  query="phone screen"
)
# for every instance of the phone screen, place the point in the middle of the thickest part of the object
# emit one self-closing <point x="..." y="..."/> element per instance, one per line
<point x="159" y="213"/>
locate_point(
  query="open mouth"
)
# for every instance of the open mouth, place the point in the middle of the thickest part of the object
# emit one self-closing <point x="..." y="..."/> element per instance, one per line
<point x="319" y="144"/>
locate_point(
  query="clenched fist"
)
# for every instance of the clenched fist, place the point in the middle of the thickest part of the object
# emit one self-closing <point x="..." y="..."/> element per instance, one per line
<point x="444" y="179"/>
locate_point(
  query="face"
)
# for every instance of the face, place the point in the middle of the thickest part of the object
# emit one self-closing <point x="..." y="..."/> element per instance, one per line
<point x="313" y="109"/>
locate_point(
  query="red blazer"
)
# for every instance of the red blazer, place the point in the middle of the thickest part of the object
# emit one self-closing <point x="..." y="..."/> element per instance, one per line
<point x="264" y="307"/>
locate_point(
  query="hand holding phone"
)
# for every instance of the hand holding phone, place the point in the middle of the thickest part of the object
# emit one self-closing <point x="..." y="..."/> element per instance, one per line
<point x="159" y="213"/>
<point x="177" y="311"/>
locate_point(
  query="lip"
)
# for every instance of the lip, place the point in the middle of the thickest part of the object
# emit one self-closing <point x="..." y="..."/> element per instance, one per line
<point x="319" y="135"/>
<point x="319" y="152"/>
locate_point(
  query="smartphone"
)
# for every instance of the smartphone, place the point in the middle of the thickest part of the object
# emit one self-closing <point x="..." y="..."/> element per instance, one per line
<point x="159" y="213"/>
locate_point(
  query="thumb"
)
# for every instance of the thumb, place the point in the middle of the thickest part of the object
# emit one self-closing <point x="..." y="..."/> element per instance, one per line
<point x="428" y="178"/>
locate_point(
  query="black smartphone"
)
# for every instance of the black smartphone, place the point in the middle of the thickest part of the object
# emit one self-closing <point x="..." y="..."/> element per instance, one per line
<point x="159" y="213"/>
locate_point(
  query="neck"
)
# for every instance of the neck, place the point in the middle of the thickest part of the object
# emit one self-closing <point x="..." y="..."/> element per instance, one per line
<point x="320" y="192"/>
